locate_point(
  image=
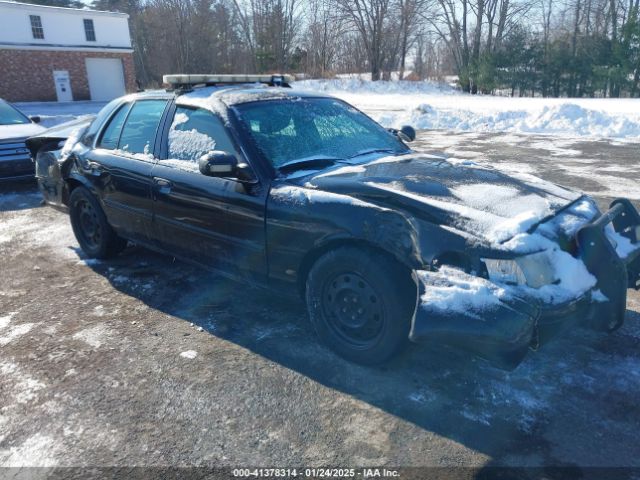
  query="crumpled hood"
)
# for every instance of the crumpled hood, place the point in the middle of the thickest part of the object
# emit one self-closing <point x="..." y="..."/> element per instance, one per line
<point x="477" y="200"/>
<point x="19" y="131"/>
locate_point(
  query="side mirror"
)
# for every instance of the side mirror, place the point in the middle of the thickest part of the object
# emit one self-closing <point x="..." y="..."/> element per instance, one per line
<point x="407" y="133"/>
<point x="35" y="118"/>
<point x="218" y="164"/>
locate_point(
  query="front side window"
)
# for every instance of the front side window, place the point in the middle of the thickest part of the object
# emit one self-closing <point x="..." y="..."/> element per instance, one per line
<point x="287" y="130"/>
<point x="11" y="116"/>
<point x="89" y="31"/>
<point x="36" y="26"/>
<point x="195" y="132"/>
<point x="139" y="131"/>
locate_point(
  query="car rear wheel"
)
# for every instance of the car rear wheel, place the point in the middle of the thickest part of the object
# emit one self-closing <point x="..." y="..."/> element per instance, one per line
<point x="361" y="304"/>
<point x="94" y="234"/>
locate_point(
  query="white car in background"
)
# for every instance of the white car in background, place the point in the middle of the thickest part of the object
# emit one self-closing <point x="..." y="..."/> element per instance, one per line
<point x="15" y="128"/>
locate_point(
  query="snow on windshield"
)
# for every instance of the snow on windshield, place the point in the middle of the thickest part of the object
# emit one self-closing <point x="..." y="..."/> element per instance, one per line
<point x="290" y="130"/>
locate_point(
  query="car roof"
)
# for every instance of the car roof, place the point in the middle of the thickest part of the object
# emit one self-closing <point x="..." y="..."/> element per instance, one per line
<point x="230" y="95"/>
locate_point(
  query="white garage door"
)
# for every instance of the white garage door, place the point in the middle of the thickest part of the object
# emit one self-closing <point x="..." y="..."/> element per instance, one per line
<point x="106" y="78"/>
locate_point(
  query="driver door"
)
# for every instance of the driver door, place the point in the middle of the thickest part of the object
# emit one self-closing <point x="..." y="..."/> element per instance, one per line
<point x="216" y="221"/>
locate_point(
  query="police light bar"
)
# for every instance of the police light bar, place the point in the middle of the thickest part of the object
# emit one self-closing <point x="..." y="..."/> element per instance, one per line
<point x="178" y="80"/>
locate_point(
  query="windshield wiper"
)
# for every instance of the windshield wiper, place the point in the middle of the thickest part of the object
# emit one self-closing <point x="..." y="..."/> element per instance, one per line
<point x="374" y="150"/>
<point x="301" y="163"/>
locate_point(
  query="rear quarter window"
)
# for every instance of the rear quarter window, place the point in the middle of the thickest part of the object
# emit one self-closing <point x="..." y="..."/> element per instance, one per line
<point x="111" y="134"/>
<point x="106" y="111"/>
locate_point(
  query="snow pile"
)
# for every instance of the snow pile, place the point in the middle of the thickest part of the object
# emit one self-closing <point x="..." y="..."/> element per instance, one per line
<point x="566" y="119"/>
<point x="350" y="84"/>
<point x="435" y="106"/>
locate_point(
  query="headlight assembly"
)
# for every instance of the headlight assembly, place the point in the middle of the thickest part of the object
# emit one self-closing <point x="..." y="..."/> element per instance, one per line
<point x="505" y="271"/>
<point x="535" y="270"/>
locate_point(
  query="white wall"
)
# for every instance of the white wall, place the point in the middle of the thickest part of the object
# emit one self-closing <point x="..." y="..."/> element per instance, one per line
<point x="62" y="26"/>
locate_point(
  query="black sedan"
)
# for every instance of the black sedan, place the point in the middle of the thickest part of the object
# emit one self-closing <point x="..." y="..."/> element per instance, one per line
<point x="304" y="193"/>
<point x="15" y="127"/>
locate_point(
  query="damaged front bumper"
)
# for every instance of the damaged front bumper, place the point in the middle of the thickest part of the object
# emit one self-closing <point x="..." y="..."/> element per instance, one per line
<point x="504" y="329"/>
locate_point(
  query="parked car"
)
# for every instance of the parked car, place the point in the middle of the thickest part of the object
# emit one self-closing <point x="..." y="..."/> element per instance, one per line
<point x="15" y="127"/>
<point x="302" y="192"/>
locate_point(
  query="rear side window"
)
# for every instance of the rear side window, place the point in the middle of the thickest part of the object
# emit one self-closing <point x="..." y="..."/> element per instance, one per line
<point x="139" y="132"/>
<point x="111" y="134"/>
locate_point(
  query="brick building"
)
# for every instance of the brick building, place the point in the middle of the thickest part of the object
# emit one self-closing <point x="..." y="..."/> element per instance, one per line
<point x="63" y="54"/>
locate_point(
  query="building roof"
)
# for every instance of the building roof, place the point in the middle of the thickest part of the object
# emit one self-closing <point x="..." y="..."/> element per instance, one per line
<point x="79" y="11"/>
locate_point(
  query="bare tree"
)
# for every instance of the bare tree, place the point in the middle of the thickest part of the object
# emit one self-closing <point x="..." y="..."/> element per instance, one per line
<point x="369" y="18"/>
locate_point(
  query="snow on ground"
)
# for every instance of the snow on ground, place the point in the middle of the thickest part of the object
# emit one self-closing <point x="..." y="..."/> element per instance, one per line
<point x="94" y="336"/>
<point x="436" y="106"/>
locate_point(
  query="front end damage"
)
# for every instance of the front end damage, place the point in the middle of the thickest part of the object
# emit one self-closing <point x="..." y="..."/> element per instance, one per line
<point x="501" y="322"/>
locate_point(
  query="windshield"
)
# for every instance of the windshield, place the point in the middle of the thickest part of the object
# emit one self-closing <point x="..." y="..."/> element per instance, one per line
<point x="286" y="131"/>
<point x="11" y="116"/>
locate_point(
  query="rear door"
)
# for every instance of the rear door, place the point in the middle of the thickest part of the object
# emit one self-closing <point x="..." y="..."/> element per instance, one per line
<point x="218" y="221"/>
<point x="120" y="166"/>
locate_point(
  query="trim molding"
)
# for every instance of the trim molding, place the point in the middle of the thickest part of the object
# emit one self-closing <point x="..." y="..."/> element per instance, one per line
<point x="64" y="48"/>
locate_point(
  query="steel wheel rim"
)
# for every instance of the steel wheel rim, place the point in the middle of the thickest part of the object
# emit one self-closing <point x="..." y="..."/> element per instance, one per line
<point x="353" y="309"/>
<point x="89" y="224"/>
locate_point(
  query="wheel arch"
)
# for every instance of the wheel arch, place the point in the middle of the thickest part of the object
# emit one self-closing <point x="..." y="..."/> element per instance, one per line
<point x="312" y="256"/>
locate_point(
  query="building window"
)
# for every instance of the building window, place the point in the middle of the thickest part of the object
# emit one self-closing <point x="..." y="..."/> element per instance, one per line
<point x="36" y="26"/>
<point x="89" y="31"/>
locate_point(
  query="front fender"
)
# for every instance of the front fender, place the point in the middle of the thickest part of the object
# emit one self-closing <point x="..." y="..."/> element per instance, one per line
<point x="300" y="222"/>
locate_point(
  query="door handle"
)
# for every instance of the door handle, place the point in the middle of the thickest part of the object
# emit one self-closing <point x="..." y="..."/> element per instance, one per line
<point x="162" y="184"/>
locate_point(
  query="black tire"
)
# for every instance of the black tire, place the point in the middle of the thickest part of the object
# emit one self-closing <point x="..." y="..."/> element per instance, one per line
<point x="94" y="234"/>
<point x="360" y="303"/>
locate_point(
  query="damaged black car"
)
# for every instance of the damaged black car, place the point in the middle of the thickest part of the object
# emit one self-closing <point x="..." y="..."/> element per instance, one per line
<point x="306" y="194"/>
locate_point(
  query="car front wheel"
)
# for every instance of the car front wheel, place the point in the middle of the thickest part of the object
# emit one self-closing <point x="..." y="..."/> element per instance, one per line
<point x="94" y="234"/>
<point x="361" y="303"/>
